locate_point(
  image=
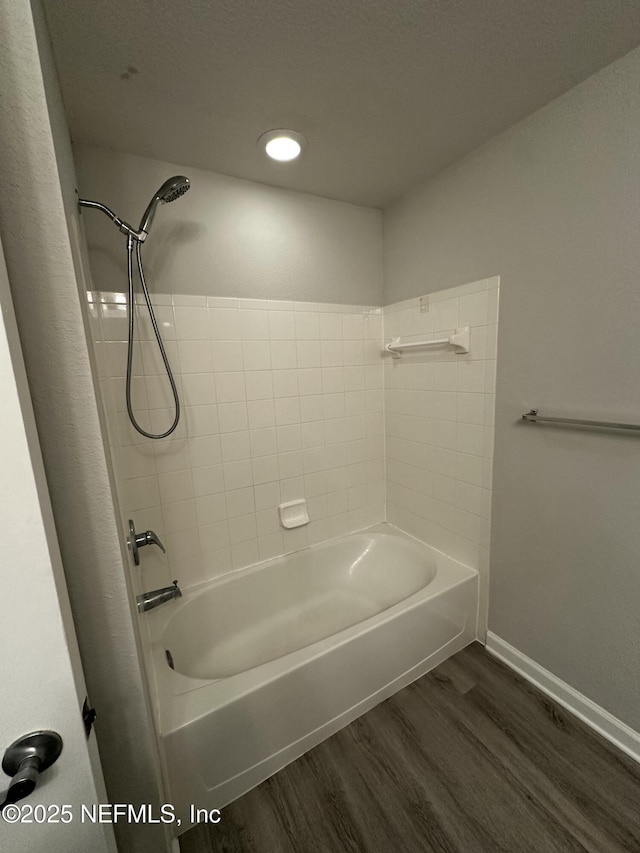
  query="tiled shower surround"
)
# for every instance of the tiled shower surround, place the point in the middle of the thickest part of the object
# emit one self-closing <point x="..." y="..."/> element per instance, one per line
<point x="281" y="400"/>
<point x="284" y="400"/>
<point x="439" y="411"/>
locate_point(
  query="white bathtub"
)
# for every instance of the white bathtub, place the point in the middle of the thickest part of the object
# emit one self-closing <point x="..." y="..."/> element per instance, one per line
<point x="271" y="660"/>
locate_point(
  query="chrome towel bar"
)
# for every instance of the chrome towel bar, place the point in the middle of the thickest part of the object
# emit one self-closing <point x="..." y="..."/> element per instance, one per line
<point x="532" y="416"/>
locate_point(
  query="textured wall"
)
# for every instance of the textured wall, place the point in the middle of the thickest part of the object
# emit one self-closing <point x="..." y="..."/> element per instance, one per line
<point x="229" y="237"/>
<point x="42" y="661"/>
<point x="38" y="183"/>
<point x="552" y="206"/>
<point x="281" y="401"/>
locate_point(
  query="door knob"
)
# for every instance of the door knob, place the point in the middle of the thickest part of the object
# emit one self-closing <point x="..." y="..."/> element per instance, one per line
<point x="139" y="540"/>
<point x="25" y="759"/>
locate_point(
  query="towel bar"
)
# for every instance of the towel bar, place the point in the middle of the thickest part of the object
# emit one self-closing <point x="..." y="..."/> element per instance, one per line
<point x="532" y="416"/>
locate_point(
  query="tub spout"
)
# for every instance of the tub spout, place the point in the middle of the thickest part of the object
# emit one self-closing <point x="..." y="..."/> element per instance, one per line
<point x="149" y="600"/>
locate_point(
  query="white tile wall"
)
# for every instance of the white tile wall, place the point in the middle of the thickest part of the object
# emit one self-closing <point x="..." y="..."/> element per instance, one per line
<point x="439" y="410"/>
<point x="281" y="400"/>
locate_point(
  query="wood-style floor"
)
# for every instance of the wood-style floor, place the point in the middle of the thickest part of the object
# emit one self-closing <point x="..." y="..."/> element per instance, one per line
<point x="470" y="758"/>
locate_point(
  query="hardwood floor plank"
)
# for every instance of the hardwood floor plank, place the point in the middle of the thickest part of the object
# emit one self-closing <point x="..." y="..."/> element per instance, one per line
<point x="477" y="780"/>
<point x="379" y="793"/>
<point x="453" y="672"/>
<point x="532" y="781"/>
<point x="596" y="776"/>
<point x="469" y="759"/>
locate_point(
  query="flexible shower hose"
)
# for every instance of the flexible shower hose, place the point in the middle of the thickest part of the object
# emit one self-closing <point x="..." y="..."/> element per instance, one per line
<point x="156" y="330"/>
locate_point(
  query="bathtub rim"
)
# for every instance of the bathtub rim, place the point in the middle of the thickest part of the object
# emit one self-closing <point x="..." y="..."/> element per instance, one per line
<point x="229" y="575"/>
<point x="363" y="538"/>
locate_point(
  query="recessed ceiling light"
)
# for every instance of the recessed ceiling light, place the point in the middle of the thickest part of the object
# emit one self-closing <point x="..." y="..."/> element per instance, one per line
<point x="282" y="145"/>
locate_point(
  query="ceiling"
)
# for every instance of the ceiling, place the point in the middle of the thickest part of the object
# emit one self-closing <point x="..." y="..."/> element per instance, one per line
<point x="387" y="92"/>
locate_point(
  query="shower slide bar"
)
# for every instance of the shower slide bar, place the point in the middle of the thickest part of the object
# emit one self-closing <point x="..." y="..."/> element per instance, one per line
<point x="459" y="340"/>
<point x="533" y="417"/>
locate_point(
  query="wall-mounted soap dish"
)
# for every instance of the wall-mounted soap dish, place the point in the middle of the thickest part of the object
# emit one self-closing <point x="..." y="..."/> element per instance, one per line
<point x="293" y="514"/>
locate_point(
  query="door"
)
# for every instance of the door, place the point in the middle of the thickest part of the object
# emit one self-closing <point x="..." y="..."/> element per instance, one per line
<point x="41" y="680"/>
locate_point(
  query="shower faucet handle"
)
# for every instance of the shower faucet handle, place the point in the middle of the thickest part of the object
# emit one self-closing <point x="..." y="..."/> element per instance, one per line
<point x="150" y="538"/>
<point x="139" y="540"/>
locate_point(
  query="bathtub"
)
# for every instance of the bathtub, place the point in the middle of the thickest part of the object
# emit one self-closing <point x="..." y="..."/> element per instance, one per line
<point x="255" y="668"/>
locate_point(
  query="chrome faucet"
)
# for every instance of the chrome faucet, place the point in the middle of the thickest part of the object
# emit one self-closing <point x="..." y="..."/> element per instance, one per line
<point x="149" y="600"/>
<point x="139" y="540"/>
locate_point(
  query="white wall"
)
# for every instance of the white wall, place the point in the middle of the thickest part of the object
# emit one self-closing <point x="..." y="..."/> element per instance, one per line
<point x="281" y="401"/>
<point x="552" y="206"/>
<point x="41" y="656"/>
<point x="229" y="237"/>
<point x="307" y="390"/>
<point x="38" y="183"/>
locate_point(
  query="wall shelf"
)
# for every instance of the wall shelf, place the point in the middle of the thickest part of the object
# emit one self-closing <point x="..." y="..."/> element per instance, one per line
<point x="459" y="340"/>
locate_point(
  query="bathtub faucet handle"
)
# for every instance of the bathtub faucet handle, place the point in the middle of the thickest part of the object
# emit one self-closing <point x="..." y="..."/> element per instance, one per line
<point x="139" y="540"/>
<point x="151" y="538"/>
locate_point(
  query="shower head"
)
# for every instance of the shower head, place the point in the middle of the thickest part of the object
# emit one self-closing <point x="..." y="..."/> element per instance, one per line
<point x="168" y="192"/>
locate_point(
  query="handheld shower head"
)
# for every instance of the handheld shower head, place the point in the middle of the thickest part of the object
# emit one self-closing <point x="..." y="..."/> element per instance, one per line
<point x="168" y="192"/>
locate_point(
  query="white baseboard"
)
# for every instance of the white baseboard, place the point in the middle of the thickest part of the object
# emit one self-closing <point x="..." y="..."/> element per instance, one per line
<point x="614" y="730"/>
